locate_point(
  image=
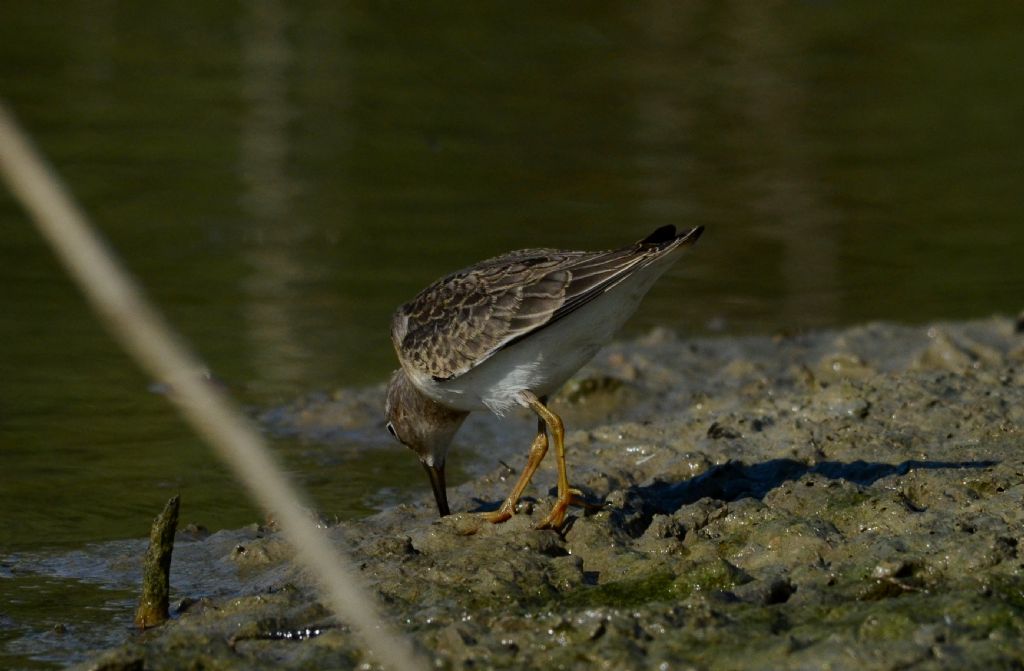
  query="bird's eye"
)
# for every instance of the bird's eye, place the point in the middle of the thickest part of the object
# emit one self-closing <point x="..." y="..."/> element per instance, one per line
<point x="391" y="430"/>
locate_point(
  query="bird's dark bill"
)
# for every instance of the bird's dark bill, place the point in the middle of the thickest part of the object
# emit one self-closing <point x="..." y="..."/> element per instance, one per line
<point x="436" y="475"/>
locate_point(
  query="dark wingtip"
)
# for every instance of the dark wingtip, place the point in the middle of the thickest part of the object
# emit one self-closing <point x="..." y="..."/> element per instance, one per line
<point x="663" y="234"/>
<point x="668" y="233"/>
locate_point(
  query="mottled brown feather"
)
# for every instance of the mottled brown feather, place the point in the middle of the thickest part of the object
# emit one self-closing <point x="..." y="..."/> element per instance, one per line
<point x="461" y="320"/>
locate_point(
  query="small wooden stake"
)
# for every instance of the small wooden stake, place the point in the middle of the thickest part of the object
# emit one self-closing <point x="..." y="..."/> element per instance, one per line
<point x="156" y="568"/>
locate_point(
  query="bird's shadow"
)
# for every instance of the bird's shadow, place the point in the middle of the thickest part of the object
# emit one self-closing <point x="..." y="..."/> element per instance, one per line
<point x="737" y="480"/>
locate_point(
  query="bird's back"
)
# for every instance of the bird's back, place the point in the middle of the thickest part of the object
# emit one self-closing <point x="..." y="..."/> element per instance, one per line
<point x="509" y="302"/>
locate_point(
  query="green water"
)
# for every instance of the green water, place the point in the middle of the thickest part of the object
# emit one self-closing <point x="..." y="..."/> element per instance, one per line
<point x="281" y="175"/>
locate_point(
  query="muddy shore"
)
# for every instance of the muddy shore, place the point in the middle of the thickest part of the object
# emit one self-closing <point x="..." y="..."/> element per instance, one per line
<point x="846" y="500"/>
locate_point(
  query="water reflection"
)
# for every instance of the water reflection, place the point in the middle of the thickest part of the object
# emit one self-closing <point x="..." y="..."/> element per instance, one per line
<point x="788" y="194"/>
<point x="272" y="248"/>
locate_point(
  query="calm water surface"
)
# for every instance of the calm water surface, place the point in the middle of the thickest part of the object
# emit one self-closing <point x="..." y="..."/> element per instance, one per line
<point x="280" y="177"/>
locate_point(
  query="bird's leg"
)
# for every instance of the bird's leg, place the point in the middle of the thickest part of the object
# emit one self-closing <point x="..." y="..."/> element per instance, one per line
<point x="537" y="452"/>
<point x="566" y="494"/>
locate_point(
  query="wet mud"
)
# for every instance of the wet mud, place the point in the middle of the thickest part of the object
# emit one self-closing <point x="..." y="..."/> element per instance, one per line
<point x="845" y="500"/>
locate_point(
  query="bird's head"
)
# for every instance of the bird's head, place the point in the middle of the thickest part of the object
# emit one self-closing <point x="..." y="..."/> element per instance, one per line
<point x="425" y="427"/>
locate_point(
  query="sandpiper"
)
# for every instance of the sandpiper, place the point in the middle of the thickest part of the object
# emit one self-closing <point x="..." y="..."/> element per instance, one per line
<point x="508" y="332"/>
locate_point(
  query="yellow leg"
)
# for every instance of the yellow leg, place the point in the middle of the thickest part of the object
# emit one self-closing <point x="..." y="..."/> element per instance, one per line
<point x="566" y="494"/>
<point x="537" y="452"/>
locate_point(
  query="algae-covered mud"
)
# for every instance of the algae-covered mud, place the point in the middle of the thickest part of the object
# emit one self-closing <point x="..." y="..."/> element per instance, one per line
<point x="847" y="500"/>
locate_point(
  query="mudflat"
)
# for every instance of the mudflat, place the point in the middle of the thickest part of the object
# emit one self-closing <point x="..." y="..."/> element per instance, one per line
<point x="846" y="499"/>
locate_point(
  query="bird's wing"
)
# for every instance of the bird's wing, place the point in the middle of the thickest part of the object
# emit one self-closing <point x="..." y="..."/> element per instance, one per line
<point x="461" y="320"/>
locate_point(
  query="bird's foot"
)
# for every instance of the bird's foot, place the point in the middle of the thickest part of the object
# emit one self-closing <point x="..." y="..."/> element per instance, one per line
<point x="573" y="497"/>
<point x="502" y="514"/>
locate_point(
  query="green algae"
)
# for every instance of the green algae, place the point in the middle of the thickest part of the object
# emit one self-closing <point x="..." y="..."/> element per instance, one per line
<point x="709" y="576"/>
<point x="624" y="593"/>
